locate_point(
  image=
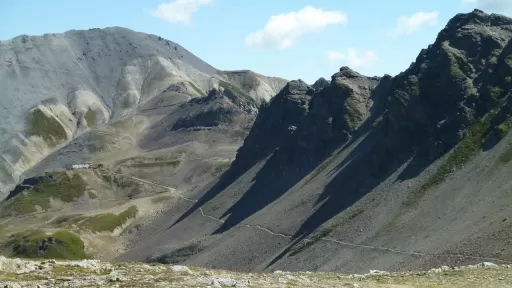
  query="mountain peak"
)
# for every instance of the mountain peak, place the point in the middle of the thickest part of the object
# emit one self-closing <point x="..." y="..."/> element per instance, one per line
<point x="475" y="20"/>
<point x="321" y="83"/>
<point x="297" y="87"/>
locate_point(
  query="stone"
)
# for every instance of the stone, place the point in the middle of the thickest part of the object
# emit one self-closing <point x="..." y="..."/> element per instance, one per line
<point x="222" y="282"/>
<point x="377" y="272"/>
<point x="321" y="83"/>
<point x="183" y="269"/>
<point x="12" y="285"/>
<point x="90" y="264"/>
<point x="487" y="265"/>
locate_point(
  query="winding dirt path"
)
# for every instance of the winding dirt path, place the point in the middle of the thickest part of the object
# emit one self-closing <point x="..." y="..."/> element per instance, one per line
<point x="332" y="240"/>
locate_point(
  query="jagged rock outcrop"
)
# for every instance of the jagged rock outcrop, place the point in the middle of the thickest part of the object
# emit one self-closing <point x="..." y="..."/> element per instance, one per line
<point x="435" y="108"/>
<point x="335" y="113"/>
<point x="320" y="83"/>
<point x="220" y="107"/>
<point x="275" y="123"/>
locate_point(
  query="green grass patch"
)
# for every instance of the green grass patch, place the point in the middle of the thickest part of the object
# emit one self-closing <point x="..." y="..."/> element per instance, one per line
<point x="37" y="244"/>
<point x="508" y="61"/>
<point x="506" y="156"/>
<point x="504" y="128"/>
<point x="495" y="91"/>
<point x="353" y="117"/>
<point x="455" y="61"/>
<point x="46" y="127"/>
<point x="90" y="117"/>
<point x="66" y="221"/>
<point x="109" y="221"/>
<point x="465" y="151"/>
<point x="62" y="187"/>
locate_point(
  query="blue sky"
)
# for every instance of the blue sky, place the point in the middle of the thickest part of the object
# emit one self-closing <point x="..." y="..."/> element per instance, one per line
<point x="288" y="38"/>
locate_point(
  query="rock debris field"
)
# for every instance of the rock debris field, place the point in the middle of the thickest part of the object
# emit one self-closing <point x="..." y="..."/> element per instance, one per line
<point x="15" y="273"/>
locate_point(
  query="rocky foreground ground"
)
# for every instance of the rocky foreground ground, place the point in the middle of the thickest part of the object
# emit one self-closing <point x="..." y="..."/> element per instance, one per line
<point x="16" y="273"/>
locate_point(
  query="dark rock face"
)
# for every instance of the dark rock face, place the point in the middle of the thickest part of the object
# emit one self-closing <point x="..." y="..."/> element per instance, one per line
<point x="29" y="184"/>
<point x="176" y="88"/>
<point x="276" y="122"/>
<point x="307" y="124"/>
<point x="435" y="108"/>
<point x="321" y="84"/>
<point x="335" y="113"/>
<point x="217" y="109"/>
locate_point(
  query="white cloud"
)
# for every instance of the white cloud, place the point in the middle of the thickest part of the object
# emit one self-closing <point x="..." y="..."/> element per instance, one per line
<point x="409" y="24"/>
<point x="498" y="5"/>
<point x="179" y="10"/>
<point x="352" y="58"/>
<point x="281" y="31"/>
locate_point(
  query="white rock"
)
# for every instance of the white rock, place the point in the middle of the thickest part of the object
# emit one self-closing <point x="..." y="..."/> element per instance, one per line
<point x="222" y="282"/>
<point x="487" y="264"/>
<point x="483" y="265"/>
<point x="179" y="268"/>
<point x="17" y="265"/>
<point x="435" y="270"/>
<point x="90" y="264"/>
<point x="354" y="285"/>
<point x="377" y="272"/>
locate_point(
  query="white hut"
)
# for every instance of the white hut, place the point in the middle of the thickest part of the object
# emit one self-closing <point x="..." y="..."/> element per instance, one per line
<point x="80" y="166"/>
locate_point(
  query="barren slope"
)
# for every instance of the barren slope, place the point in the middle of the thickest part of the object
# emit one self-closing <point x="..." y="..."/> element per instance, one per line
<point x="55" y="87"/>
